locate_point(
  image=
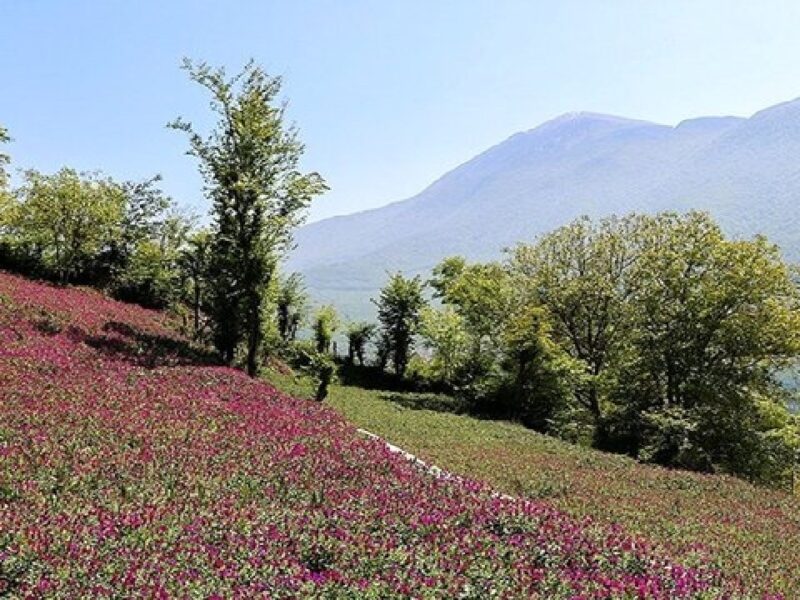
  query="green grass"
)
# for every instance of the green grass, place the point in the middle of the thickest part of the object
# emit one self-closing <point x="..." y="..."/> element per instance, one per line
<point x="752" y="532"/>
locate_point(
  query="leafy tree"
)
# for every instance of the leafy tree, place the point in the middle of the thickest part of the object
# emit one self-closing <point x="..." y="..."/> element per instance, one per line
<point x="383" y="350"/>
<point x="7" y="203"/>
<point x="151" y="274"/>
<point x="445" y="274"/>
<point x="144" y="222"/>
<point x="540" y="372"/>
<point x="358" y="334"/>
<point x="66" y="219"/>
<point x="580" y="274"/>
<point x="678" y="333"/>
<point x="445" y="335"/>
<point x="715" y="320"/>
<point x="481" y="296"/>
<point x="250" y="166"/>
<point x="326" y="322"/>
<point x="292" y="303"/>
<point x="399" y="306"/>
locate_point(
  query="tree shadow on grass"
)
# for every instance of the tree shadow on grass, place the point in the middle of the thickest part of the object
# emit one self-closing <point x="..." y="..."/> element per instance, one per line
<point x="123" y="342"/>
<point x="428" y="401"/>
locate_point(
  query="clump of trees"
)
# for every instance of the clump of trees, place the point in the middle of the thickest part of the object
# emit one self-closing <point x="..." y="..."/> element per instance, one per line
<point x="399" y="306"/>
<point x="86" y="228"/>
<point x="650" y="335"/>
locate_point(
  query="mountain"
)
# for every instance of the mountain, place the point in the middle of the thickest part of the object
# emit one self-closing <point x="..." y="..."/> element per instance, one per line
<point x="746" y="172"/>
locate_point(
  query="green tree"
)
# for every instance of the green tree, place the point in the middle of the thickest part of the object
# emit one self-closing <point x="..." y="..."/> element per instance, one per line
<point x="67" y="219"/>
<point x="6" y="199"/>
<point x="151" y="272"/>
<point x="679" y="334"/>
<point x="580" y="274"/>
<point x="326" y="322"/>
<point x="540" y="373"/>
<point x="399" y="306"/>
<point x="144" y="215"/>
<point x="358" y="335"/>
<point x="715" y="320"/>
<point x="481" y="295"/>
<point x="292" y="304"/>
<point x="444" y="334"/>
<point x="250" y="166"/>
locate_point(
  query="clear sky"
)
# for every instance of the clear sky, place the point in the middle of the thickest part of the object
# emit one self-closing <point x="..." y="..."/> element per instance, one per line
<point x="388" y="95"/>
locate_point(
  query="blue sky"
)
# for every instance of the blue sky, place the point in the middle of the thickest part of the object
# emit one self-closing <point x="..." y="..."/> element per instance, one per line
<point x="388" y="95"/>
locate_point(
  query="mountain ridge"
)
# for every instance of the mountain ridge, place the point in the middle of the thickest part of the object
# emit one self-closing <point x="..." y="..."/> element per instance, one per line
<point x="538" y="179"/>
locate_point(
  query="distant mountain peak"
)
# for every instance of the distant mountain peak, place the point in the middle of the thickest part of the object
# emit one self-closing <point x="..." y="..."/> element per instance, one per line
<point x="586" y="123"/>
<point x="584" y="115"/>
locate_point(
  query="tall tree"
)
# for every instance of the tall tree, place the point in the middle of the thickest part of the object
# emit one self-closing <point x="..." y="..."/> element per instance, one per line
<point x="580" y="273"/>
<point x="399" y="306"/>
<point x="250" y="163"/>
<point x="715" y="320"/>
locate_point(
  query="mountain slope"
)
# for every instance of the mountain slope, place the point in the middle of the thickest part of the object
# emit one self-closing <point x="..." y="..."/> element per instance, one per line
<point x="744" y="171"/>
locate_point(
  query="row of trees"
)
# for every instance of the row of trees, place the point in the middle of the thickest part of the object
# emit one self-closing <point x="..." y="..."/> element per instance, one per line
<point x="650" y="335"/>
<point x="85" y="228"/>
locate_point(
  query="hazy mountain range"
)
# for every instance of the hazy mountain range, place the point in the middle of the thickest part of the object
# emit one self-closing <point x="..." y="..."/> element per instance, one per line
<point x="746" y="172"/>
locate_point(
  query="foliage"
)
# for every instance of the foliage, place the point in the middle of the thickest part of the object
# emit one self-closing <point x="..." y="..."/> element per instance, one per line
<point x="326" y="322"/>
<point x="492" y="348"/>
<point x="5" y="159"/>
<point x="250" y="165"/>
<point x="444" y="334"/>
<point x="151" y="274"/>
<point x="679" y="332"/>
<point x="580" y="273"/>
<point x="62" y="221"/>
<point x="194" y="263"/>
<point x="399" y="306"/>
<point x="358" y="335"/>
<point x="292" y="304"/>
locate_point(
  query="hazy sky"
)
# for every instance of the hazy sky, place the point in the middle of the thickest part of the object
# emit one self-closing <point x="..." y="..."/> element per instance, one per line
<point x="388" y="95"/>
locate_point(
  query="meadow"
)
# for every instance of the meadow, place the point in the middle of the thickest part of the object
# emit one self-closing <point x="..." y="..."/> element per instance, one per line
<point x="132" y="466"/>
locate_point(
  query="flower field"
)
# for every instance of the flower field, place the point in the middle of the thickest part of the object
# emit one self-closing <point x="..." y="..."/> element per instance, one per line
<point x="129" y="468"/>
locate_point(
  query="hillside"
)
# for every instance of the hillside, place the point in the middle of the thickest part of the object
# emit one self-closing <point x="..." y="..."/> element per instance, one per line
<point x="132" y="466"/>
<point x="744" y="171"/>
<point x="749" y="531"/>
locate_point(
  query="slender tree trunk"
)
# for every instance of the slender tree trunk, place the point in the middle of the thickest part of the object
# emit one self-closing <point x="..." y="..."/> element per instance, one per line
<point x="253" y="334"/>
<point x="196" y="308"/>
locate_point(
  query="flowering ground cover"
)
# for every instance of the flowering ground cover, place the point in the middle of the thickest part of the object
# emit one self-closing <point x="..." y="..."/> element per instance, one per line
<point x="130" y="468"/>
<point x="751" y="532"/>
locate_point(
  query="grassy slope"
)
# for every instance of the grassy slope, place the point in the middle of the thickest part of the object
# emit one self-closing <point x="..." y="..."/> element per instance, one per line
<point x="752" y="532"/>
